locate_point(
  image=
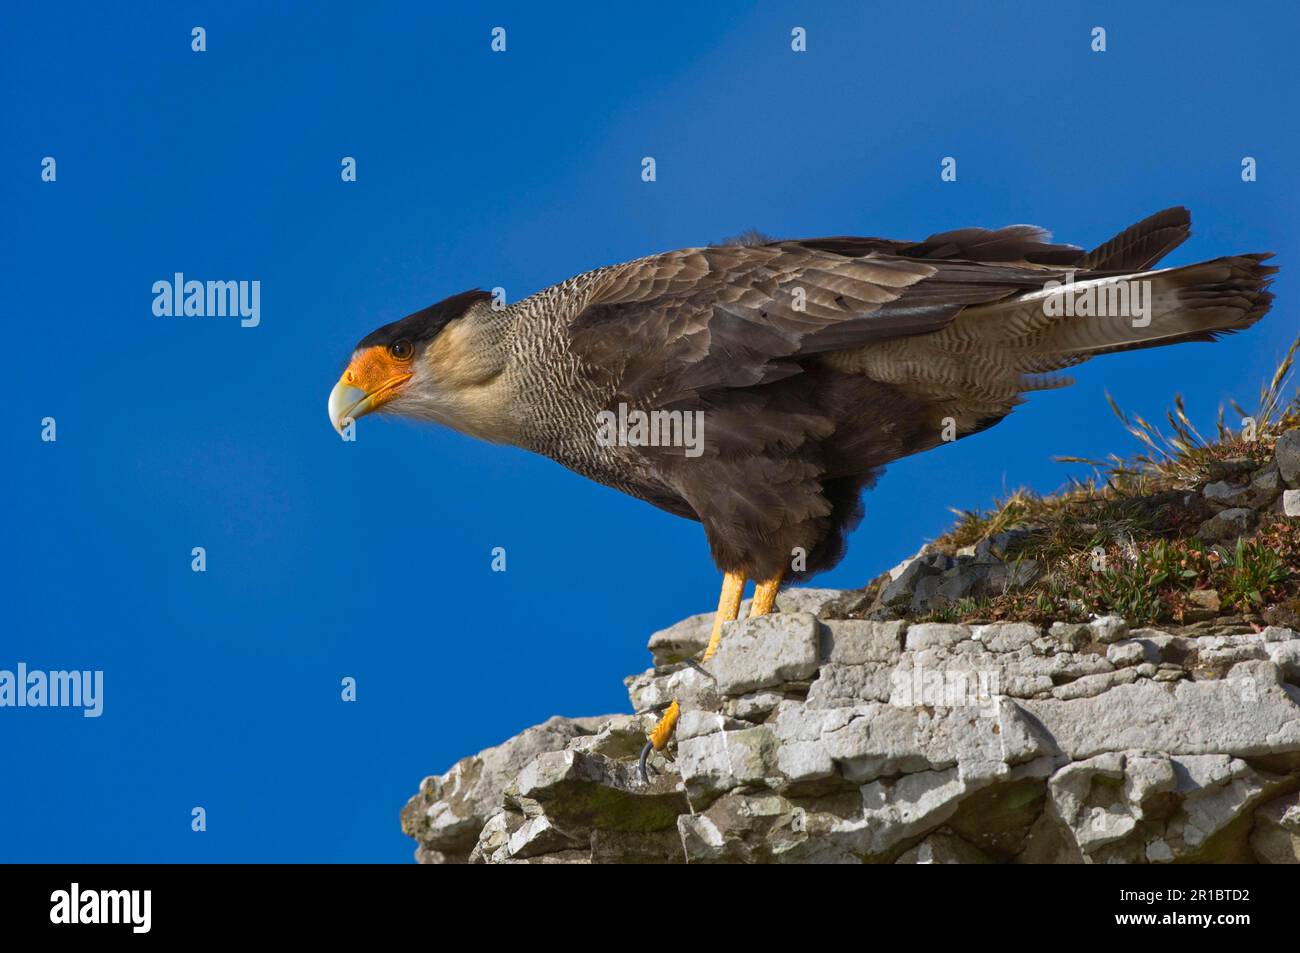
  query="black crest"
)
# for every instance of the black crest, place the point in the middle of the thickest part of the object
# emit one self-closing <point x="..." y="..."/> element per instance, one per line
<point x="424" y="325"/>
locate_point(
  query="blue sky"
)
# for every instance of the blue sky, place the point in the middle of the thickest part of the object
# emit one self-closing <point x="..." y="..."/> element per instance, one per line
<point x="373" y="560"/>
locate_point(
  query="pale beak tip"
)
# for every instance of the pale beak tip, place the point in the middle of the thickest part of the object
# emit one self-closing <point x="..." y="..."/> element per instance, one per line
<point x="344" y="399"/>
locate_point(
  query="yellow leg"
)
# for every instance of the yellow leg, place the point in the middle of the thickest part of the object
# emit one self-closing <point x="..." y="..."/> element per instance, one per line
<point x="733" y="590"/>
<point x="765" y="596"/>
<point x="664" y="730"/>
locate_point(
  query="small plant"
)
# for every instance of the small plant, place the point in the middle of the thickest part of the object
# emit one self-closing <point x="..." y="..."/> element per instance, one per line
<point x="1247" y="573"/>
<point x="1134" y="584"/>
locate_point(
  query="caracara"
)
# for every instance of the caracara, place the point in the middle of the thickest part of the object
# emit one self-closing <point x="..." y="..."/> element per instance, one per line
<point x="759" y="386"/>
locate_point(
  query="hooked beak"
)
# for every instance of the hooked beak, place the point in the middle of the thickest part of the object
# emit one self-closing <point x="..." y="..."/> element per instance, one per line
<point x="371" y="380"/>
<point x="347" y="403"/>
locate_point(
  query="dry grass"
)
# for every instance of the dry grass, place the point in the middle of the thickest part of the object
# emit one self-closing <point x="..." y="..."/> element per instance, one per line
<point x="1123" y="539"/>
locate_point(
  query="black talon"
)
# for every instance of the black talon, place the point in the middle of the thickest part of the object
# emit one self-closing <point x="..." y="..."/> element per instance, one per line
<point x="700" y="668"/>
<point x="645" y="767"/>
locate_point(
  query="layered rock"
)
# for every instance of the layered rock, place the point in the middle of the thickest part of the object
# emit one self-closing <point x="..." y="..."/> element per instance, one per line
<point x="819" y="737"/>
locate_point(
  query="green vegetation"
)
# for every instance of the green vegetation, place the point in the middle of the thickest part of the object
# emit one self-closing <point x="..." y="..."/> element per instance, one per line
<point x="1124" y="540"/>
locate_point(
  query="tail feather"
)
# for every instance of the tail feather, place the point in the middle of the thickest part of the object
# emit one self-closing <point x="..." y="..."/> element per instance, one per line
<point x="976" y="369"/>
<point x="1140" y="246"/>
<point x="1199" y="302"/>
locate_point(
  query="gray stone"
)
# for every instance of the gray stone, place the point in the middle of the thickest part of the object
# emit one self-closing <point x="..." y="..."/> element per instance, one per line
<point x="652" y="692"/>
<point x="1276" y="836"/>
<point x="849" y="741"/>
<point x="1249" y="713"/>
<point x="1130" y="652"/>
<point x="1291" y="503"/>
<point x="1262" y="490"/>
<point x="766" y="651"/>
<point x="855" y="641"/>
<point x="1000" y="546"/>
<point x="1150" y="806"/>
<point x="1225" y="495"/>
<point x="1091" y="685"/>
<point x="720" y="761"/>
<point x="900" y="589"/>
<point x="944" y="849"/>
<point x="838" y="686"/>
<point x="1227" y="526"/>
<point x="817" y="602"/>
<point x="1071" y="636"/>
<point x="539" y="835"/>
<point x="682" y="640"/>
<point x="926" y="635"/>
<point x="1006" y="636"/>
<point x="1108" y="628"/>
<point x="1287" y="457"/>
<point x="1202" y="604"/>
<point x="580" y="791"/>
<point x="451" y="809"/>
<point x="753" y="707"/>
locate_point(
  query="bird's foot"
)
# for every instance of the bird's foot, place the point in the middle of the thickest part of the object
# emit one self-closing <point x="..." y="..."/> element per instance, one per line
<point x="659" y="738"/>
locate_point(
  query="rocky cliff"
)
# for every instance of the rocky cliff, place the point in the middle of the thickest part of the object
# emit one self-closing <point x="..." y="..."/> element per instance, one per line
<point x="865" y="726"/>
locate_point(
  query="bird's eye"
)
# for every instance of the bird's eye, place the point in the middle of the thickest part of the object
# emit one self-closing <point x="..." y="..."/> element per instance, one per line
<point x="402" y="350"/>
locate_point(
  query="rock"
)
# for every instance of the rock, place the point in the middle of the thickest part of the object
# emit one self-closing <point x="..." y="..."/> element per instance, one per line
<point x="1226" y="494"/>
<point x="1232" y="469"/>
<point x="1071" y="636"/>
<point x="722" y="760"/>
<point x="1276" y="837"/>
<point x="1287" y="457"/>
<point x="822" y="603"/>
<point x="539" y="835"/>
<point x="451" y="809"/>
<point x="652" y="691"/>
<point x="1291" y="503"/>
<point x="838" y="686"/>
<point x="1006" y="636"/>
<point x="1108" y="628"/>
<point x="999" y="546"/>
<point x="754" y="707"/>
<point x="944" y="849"/>
<point x="1091" y="685"/>
<point x="1227" y="526"/>
<point x="851" y="741"/>
<point x="689" y="637"/>
<point x="1129" y="652"/>
<point x="1202" y="604"/>
<point x="1262" y="490"/>
<point x="856" y="641"/>
<point x="1150" y="807"/>
<point x="683" y="640"/>
<point x="932" y="580"/>
<point x="925" y="635"/>
<point x="1265" y="487"/>
<point x="901" y="588"/>
<point x="766" y="651"/>
<point x="1249" y="713"/>
<point x="582" y="791"/>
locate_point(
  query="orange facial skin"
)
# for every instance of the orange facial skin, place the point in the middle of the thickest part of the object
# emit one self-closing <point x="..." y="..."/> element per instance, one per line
<point x="377" y="374"/>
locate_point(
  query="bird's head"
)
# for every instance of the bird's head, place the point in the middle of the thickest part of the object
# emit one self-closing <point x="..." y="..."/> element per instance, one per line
<point x="433" y="364"/>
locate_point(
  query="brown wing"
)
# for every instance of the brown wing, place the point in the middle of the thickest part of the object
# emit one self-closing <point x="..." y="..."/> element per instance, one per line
<point x="673" y="326"/>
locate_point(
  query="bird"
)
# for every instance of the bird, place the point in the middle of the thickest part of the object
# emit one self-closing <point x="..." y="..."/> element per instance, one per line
<point x="759" y="386"/>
